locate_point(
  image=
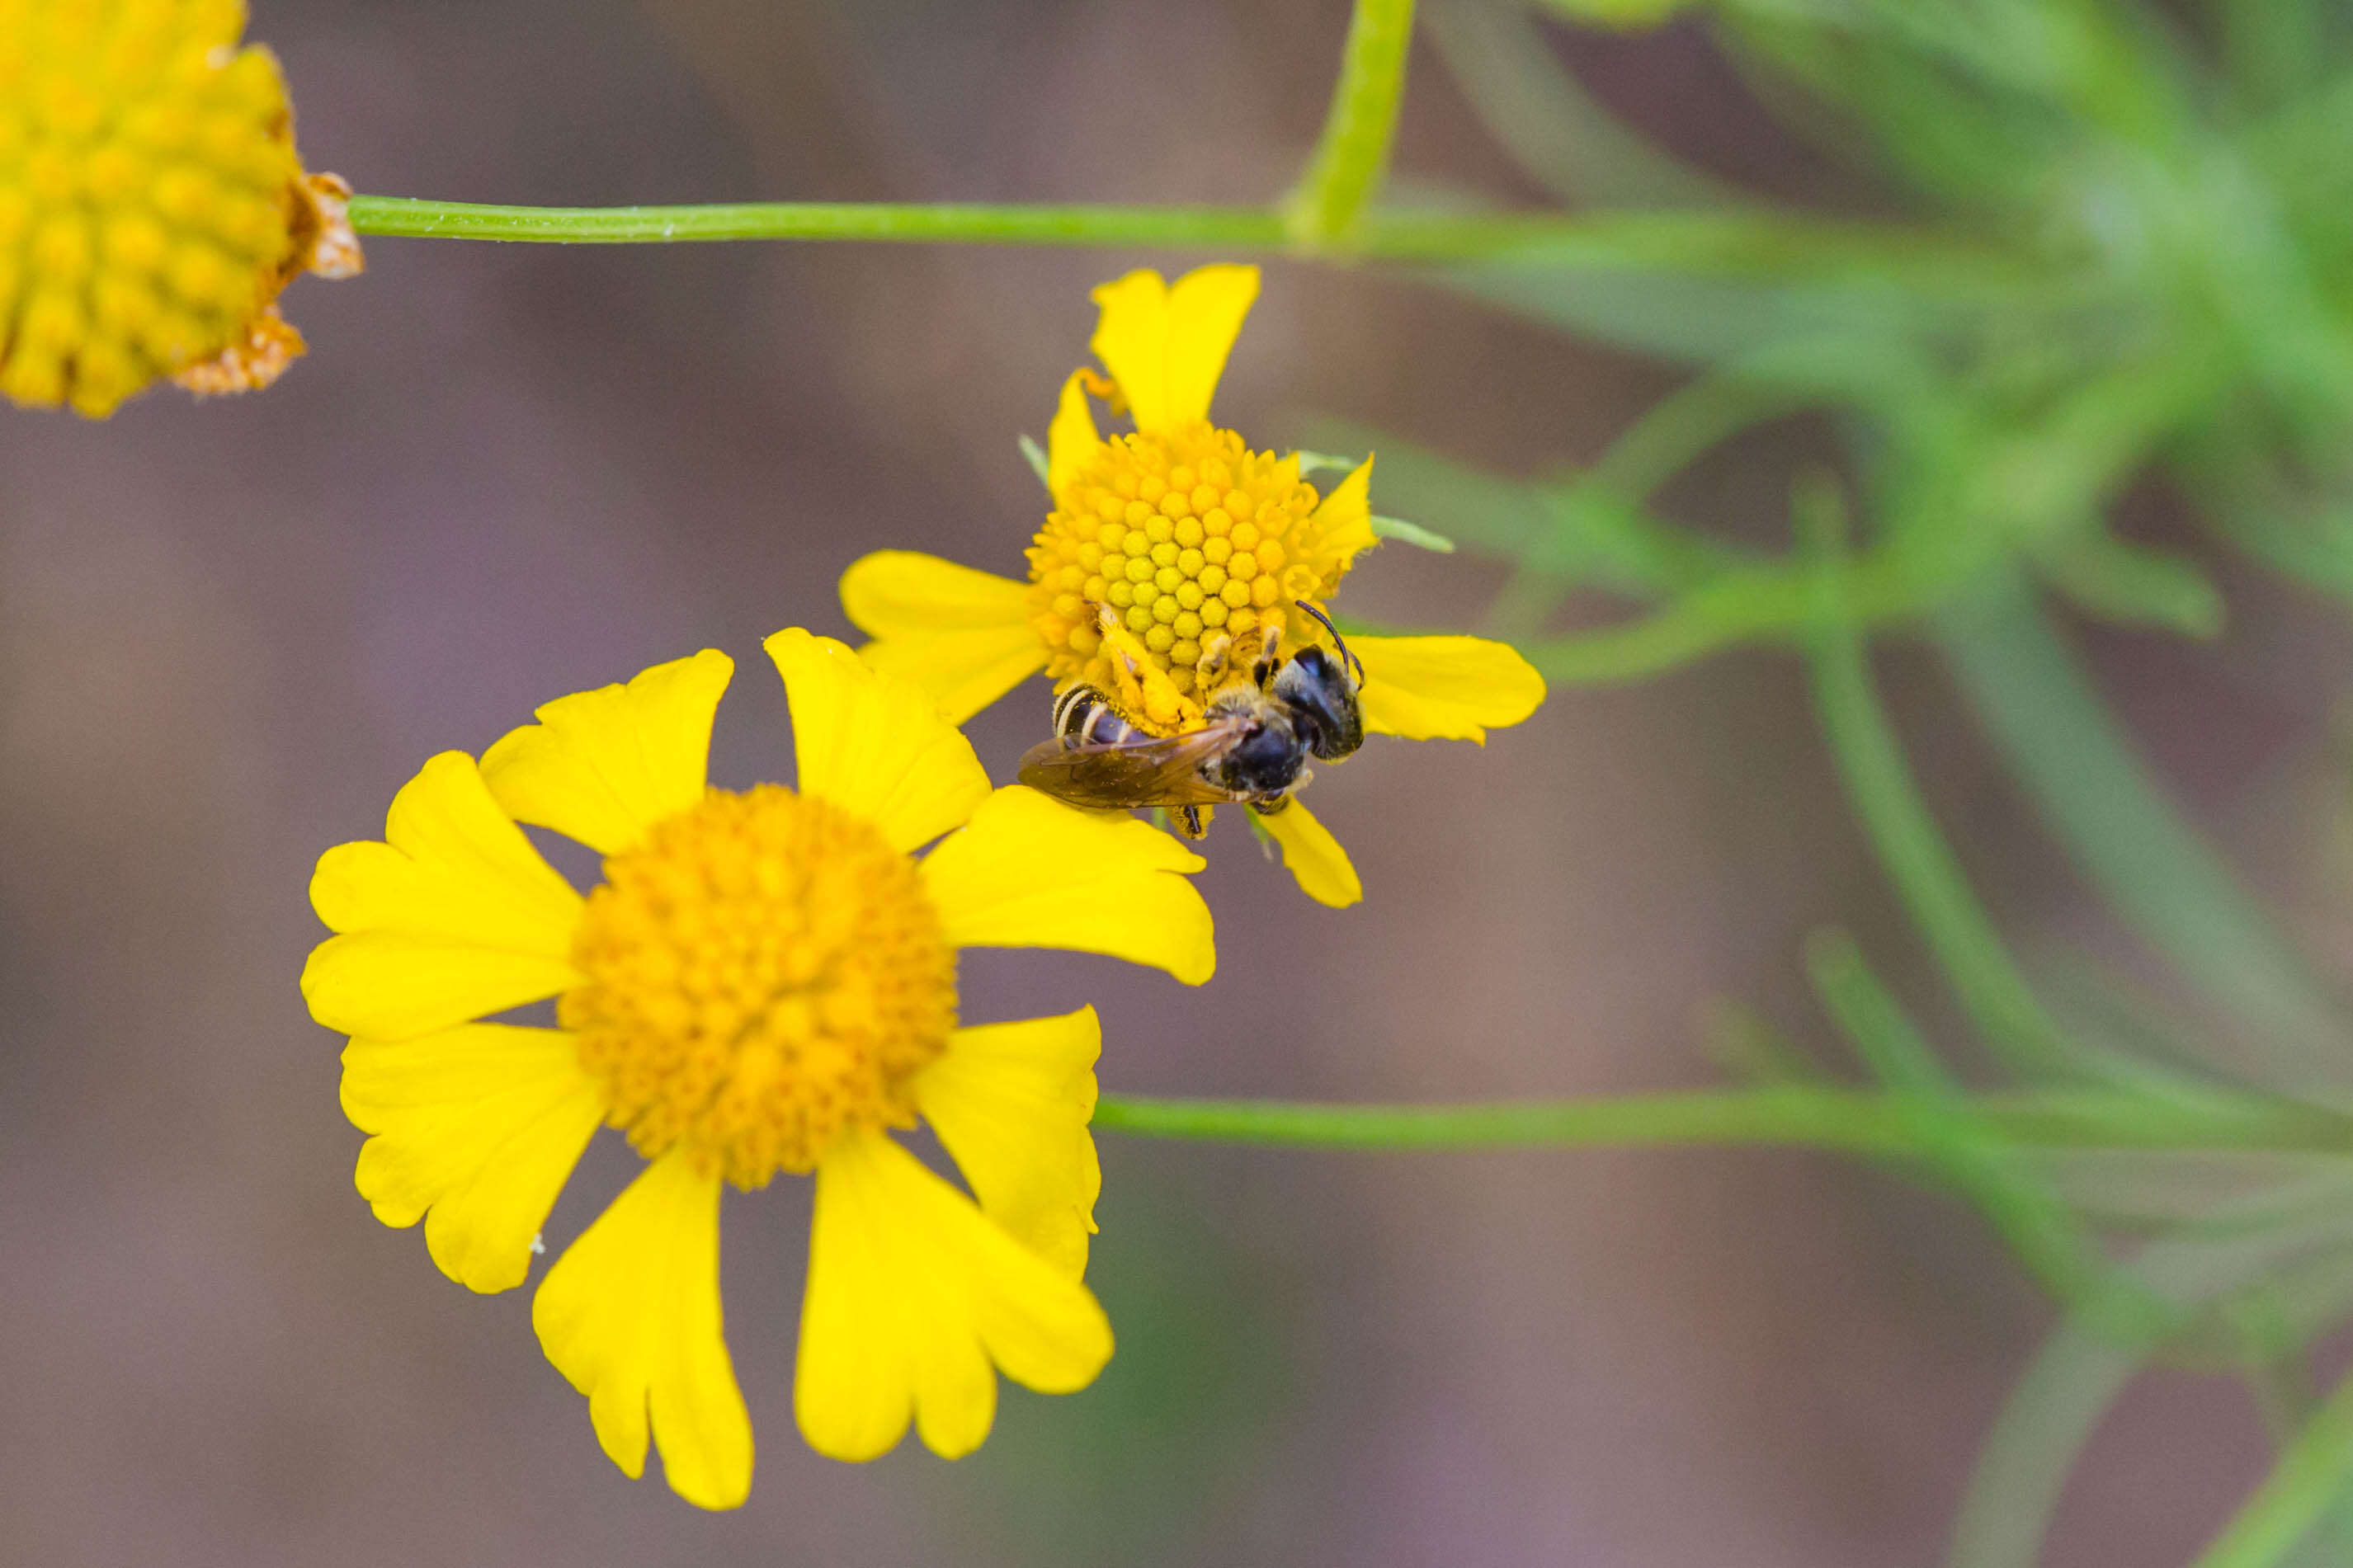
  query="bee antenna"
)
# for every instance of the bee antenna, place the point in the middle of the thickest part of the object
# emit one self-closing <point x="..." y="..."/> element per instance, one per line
<point x="1356" y="666"/>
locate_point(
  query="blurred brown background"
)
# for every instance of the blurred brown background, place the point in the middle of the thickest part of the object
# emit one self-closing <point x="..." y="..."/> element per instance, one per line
<point x="228" y="632"/>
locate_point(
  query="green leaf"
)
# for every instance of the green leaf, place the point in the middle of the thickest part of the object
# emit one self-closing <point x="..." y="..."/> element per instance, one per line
<point x="2124" y="583"/>
<point x="1035" y="456"/>
<point x="1625" y="15"/>
<point x="2082" y="1370"/>
<point x="2313" y="1473"/>
<point x="1411" y="534"/>
<point x="2160" y="875"/>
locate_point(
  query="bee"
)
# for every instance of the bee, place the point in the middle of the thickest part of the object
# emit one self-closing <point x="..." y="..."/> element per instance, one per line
<point x="1247" y="741"/>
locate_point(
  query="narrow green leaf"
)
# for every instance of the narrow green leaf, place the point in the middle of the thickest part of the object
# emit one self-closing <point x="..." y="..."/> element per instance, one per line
<point x="2059" y="1402"/>
<point x="2126" y="582"/>
<point x="2158" y="874"/>
<point x="1035" y="456"/>
<point x="1323" y="462"/>
<point x="1916" y="857"/>
<point x="1411" y="534"/>
<point x="2312" y="1474"/>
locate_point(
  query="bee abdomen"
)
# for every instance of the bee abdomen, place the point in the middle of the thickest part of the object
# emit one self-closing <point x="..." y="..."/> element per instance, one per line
<point x="1085" y="716"/>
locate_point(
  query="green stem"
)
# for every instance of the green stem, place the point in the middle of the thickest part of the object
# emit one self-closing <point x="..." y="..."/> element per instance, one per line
<point x="2312" y="1474"/>
<point x="1352" y="154"/>
<point x="1216" y="228"/>
<point x="1747" y="245"/>
<point x="1915" y="854"/>
<point x="1845" y="1120"/>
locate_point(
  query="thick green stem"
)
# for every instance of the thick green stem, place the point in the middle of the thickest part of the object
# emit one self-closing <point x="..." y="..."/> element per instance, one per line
<point x="1846" y="1121"/>
<point x="1352" y="154"/>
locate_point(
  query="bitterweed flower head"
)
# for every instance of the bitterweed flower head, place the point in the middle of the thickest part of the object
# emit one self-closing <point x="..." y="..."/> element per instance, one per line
<point x="152" y="206"/>
<point x="764" y="983"/>
<point x="1184" y="534"/>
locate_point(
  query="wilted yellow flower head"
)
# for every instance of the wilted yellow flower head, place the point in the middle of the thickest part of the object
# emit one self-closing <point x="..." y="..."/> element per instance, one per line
<point x="763" y="982"/>
<point x="152" y="204"/>
<point x="1185" y="535"/>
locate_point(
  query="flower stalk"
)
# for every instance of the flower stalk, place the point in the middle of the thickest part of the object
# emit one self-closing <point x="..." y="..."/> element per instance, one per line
<point x="1352" y="156"/>
<point x="1845" y="1120"/>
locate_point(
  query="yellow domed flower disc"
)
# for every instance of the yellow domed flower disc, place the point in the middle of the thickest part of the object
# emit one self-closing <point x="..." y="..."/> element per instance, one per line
<point x="152" y="202"/>
<point x="1185" y="534"/>
<point x="764" y="974"/>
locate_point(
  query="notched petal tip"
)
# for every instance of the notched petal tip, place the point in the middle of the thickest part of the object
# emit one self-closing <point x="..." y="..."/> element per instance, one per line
<point x="1445" y="688"/>
<point x="475" y="1132"/>
<point x="1165" y="344"/>
<point x="1030" y="871"/>
<point x="1314" y="858"/>
<point x="962" y="635"/>
<point x="630" y="1316"/>
<point x="453" y="915"/>
<point x="875" y="742"/>
<point x="603" y="766"/>
<point x="916" y="1301"/>
<point x="1011" y="1103"/>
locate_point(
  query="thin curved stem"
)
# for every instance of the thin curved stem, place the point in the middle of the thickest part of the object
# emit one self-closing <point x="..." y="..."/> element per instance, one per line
<point x="1845" y="1120"/>
<point x="1914" y="851"/>
<point x="1352" y="156"/>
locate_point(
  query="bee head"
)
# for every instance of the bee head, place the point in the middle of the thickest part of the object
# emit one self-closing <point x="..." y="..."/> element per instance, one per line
<point x="1322" y="697"/>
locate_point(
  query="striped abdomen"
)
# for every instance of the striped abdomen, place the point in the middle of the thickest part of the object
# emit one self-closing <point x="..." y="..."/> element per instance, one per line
<point x="1085" y="716"/>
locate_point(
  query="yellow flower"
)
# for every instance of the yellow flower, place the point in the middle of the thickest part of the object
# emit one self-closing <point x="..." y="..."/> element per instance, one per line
<point x="151" y="204"/>
<point x="1185" y="534"/>
<point x="763" y="982"/>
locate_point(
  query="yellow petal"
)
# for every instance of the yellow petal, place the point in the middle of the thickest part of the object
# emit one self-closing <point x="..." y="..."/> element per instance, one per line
<point x="963" y="635"/>
<point x="874" y="743"/>
<point x="1445" y="689"/>
<point x="630" y="1315"/>
<point x="1341" y="526"/>
<point x="476" y="1130"/>
<point x="1167" y="346"/>
<point x="453" y="915"/>
<point x="913" y="1299"/>
<point x="1028" y="871"/>
<point x="603" y="766"/>
<point x="1072" y="439"/>
<point x="1313" y="855"/>
<point x="1011" y="1102"/>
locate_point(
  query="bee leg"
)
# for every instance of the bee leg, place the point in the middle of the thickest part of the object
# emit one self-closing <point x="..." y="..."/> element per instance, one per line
<point x="1194" y="827"/>
<point x="1211" y="672"/>
<point x="1144" y="689"/>
<point x="1278" y="804"/>
<point x="1270" y="645"/>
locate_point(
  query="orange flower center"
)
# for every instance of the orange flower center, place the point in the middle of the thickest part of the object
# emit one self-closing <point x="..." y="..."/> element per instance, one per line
<point x="1184" y="533"/>
<point x="764" y="974"/>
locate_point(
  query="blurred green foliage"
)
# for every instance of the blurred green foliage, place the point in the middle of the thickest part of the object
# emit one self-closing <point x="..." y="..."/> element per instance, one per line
<point x="2107" y="251"/>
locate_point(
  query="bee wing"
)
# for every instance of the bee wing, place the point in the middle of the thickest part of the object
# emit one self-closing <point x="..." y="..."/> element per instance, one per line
<point x="1148" y="770"/>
